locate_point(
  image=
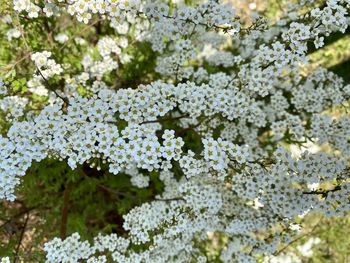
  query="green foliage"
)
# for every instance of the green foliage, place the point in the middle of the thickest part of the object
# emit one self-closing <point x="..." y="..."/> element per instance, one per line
<point x="97" y="201"/>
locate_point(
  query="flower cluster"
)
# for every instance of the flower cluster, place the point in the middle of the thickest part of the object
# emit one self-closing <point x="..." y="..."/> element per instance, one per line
<point x="219" y="153"/>
<point x="111" y="52"/>
<point x="13" y="106"/>
<point x="332" y="131"/>
<point x="27" y="6"/>
<point x="71" y="249"/>
<point x="46" y="65"/>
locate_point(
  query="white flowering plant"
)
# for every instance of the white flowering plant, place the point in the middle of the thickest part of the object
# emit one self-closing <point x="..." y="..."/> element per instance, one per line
<point x="159" y="131"/>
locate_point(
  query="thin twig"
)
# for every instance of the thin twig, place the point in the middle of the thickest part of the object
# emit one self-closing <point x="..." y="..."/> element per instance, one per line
<point x="166" y="119"/>
<point x="17" y="215"/>
<point x="15" y="258"/>
<point x="12" y="66"/>
<point x="65" y="100"/>
<point x="323" y="193"/>
<point x="170" y="199"/>
<point x="79" y="33"/>
<point x="65" y="208"/>
<point x="297" y="239"/>
<point x="112" y="191"/>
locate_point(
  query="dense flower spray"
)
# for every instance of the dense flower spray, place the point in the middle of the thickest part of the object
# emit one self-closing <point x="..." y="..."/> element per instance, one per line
<point x="239" y="88"/>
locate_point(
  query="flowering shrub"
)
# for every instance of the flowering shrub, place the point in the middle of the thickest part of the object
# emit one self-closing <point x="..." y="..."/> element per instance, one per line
<point x="173" y="118"/>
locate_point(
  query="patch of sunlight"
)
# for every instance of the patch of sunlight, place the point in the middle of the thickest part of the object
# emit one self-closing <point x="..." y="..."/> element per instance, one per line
<point x="331" y="55"/>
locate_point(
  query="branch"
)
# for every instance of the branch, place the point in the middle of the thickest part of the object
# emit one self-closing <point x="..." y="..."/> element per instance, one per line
<point x="17" y="215"/>
<point x="49" y="32"/>
<point x="323" y="193"/>
<point x="170" y="199"/>
<point x="297" y="239"/>
<point x="112" y="191"/>
<point x="64" y="214"/>
<point x="166" y="119"/>
<point x="79" y="33"/>
<point x="65" y="100"/>
<point x="15" y="258"/>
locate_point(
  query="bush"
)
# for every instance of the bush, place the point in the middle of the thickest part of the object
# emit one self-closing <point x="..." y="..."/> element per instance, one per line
<point x="160" y="131"/>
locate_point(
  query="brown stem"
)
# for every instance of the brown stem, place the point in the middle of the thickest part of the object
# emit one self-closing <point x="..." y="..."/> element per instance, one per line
<point x="64" y="99"/>
<point x="64" y="214"/>
<point x="166" y="119"/>
<point x="79" y="33"/>
<point x="323" y="193"/>
<point x="17" y="215"/>
<point x="170" y="199"/>
<point x="297" y="239"/>
<point x="49" y="32"/>
<point x="111" y="191"/>
<point x="15" y="258"/>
